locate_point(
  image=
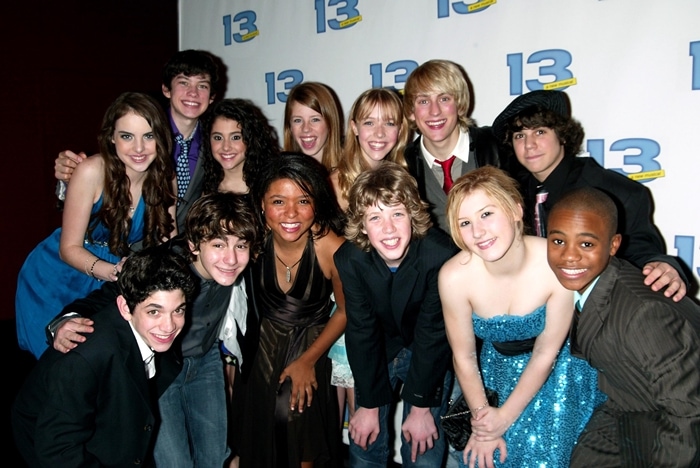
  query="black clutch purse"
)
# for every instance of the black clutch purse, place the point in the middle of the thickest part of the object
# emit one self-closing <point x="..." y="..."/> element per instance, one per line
<point x="457" y="424"/>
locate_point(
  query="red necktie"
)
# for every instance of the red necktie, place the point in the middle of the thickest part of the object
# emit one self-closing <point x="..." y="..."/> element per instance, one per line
<point x="446" y="168"/>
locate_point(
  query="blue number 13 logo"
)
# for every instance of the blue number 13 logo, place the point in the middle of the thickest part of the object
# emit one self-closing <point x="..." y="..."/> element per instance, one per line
<point x="559" y="69"/>
<point x="247" y="27"/>
<point x="347" y="8"/>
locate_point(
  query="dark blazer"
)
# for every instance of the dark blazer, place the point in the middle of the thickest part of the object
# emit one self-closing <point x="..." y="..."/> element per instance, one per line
<point x="641" y="241"/>
<point x="249" y="342"/>
<point x="391" y="311"/>
<point x="646" y="349"/>
<point x="483" y="149"/>
<point x="107" y="294"/>
<point x="91" y="406"/>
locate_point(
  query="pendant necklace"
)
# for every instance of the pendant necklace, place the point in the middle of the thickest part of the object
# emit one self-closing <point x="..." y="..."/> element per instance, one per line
<point x="289" y="268"/>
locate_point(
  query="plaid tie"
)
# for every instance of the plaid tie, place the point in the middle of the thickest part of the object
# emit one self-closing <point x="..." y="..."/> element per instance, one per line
<point x="183" y="166"/>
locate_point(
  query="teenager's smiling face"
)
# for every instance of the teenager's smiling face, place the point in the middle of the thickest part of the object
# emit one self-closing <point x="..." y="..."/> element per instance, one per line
<point x="486" y="228"/>
<point x="376" y="134"/>
<point x="289" y="212"/>
<point x="389" y="231"/>
<point x="221" y="260"/>
<point x="134" y="142"/>
<point x="227" y="144"/>
<point x="437" y="119"/>
<point x="538" y="150"/>
<point x="189" y="96"/>
<point x="579" y="246"/>
<point x="158" y="319"/>
<point x="310" y="130"/>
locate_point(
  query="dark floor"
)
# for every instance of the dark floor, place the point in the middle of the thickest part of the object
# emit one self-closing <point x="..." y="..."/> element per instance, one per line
<point x="18" y="364"/>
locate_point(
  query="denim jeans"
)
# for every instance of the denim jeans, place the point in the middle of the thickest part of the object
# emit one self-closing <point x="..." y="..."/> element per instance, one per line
<point x="377" y="454"/>
<point x="193" y="412"/>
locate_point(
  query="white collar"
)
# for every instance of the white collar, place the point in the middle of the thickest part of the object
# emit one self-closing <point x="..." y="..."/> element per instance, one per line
<point x="461" y="149"/>
<point x="147" y="353"/>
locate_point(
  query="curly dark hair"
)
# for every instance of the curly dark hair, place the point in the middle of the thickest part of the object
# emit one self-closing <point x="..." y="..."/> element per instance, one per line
<point x="157" y="192"/>
<point x="312" y="178"/>
<point x="568" y="130"/>
<point x="155" y="269"/>
<point x="259" y="137"/>
<point x="389" y="184"/>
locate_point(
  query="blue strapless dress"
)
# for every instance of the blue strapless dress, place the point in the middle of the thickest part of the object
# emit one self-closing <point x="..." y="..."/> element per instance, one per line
<point x="546" y="432"/>
<point x="46" y="284"/>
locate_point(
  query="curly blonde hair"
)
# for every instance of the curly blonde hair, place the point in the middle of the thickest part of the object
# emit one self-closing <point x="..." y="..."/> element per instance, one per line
<point x="389" y="184"/>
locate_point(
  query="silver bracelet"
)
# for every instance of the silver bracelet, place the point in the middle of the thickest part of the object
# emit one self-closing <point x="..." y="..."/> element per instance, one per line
<point x="475" y="410"/>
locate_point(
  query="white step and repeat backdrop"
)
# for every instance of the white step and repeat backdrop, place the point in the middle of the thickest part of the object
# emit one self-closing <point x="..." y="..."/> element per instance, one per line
<point x="630" y="67"/>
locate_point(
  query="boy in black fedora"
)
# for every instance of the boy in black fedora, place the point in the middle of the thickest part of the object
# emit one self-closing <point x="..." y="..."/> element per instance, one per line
<point x="541" y="140"/>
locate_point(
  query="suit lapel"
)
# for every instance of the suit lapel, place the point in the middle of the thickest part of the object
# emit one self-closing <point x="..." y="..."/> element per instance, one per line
<point x="597" y="309"/>
<point x="133" y="363"/>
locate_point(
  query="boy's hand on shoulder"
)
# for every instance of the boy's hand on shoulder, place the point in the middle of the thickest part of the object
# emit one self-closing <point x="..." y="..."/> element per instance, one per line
<point x="66" y="162"/>
<point x="659" y="275"/>
<point x="70" y="333"/>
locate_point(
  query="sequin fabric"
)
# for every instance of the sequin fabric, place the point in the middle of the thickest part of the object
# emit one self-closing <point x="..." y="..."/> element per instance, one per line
<point x="547" y="430"/>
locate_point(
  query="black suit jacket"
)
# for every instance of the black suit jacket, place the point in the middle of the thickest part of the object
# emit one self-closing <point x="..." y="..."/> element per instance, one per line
<point x="390" y="311"/>
<point x="482" y="146"/>
<point x="107" y="294"/>
<point x="91" y="406"/>
<point x="641" y="241"/>
<point x="646" y="349"/>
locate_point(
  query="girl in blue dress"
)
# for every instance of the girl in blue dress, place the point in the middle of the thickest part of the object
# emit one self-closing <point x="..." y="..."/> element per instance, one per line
<point x="116" y="199"/>
<point x="501" y="290"/>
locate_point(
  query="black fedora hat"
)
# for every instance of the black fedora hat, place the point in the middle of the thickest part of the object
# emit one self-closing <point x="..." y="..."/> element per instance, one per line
<point x="556" y="101"/>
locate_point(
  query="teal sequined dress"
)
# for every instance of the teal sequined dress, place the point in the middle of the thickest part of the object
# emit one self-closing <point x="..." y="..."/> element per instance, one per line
<point x="546" y="432"/>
